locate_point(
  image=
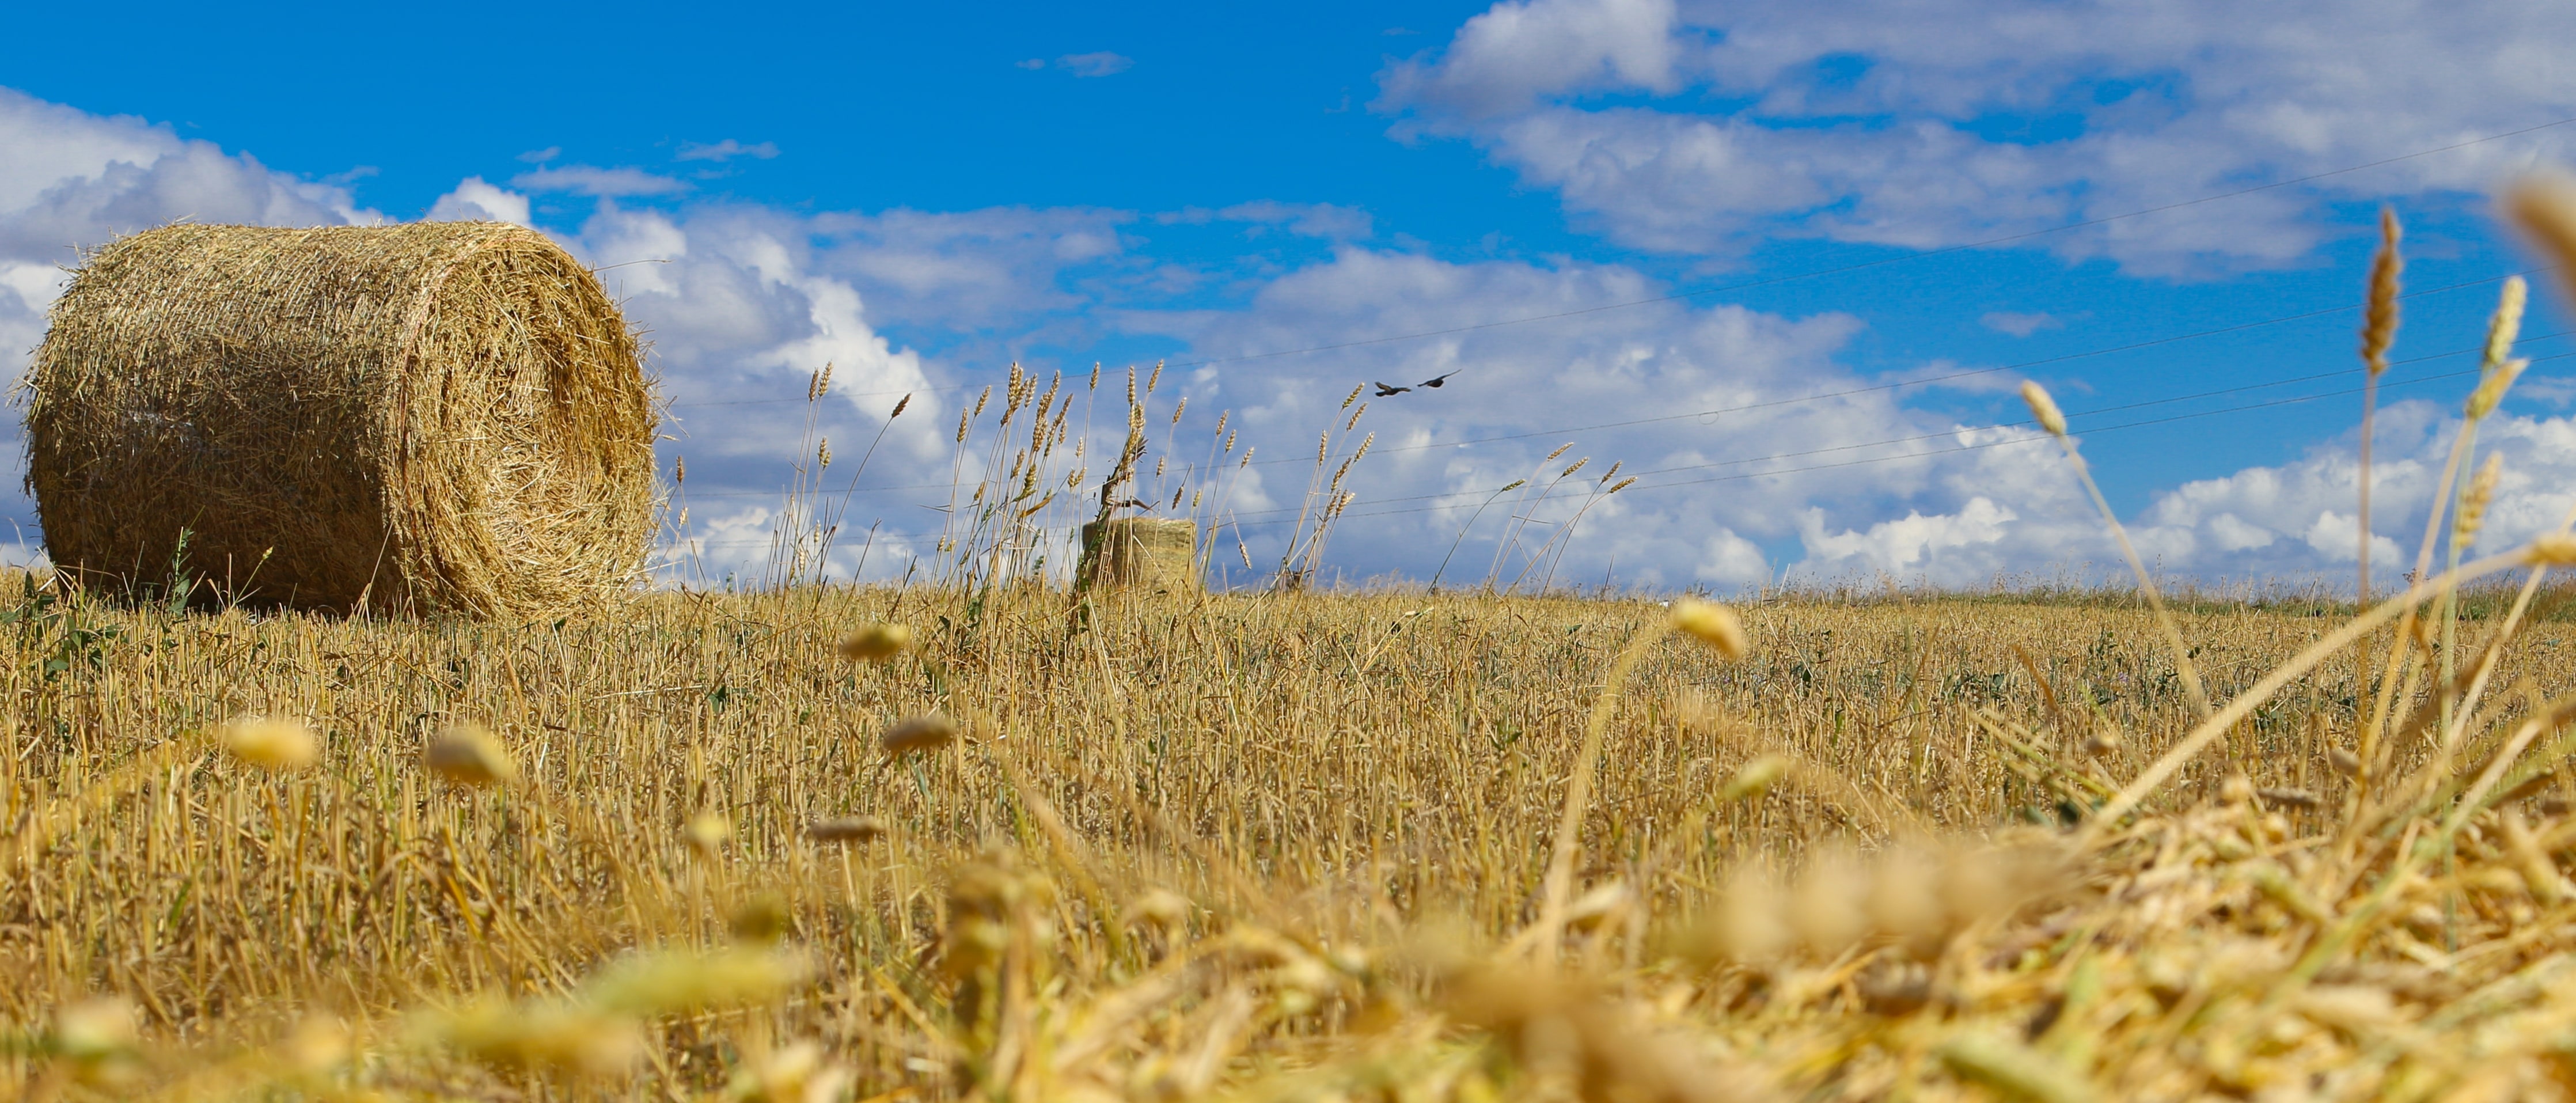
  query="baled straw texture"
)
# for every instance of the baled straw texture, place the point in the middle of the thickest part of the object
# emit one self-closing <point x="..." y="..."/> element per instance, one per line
<point x="1149" y="554"/>
<point x="440" y="417"/>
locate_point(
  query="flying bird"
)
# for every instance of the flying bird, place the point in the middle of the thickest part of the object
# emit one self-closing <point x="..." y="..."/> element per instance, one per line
<point x="1434" y="382"/>
<point x="1383" y="390"/>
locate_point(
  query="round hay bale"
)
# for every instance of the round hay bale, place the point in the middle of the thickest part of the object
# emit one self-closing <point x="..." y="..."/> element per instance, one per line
<point x="433" y="417"/>
<point x="1142" y="553"/>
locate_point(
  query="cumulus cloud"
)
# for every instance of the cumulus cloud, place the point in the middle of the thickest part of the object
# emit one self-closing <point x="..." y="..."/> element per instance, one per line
<point x="603" y="183"/>
<point x="476" y="201"/>
<point x="1881" y="121"/>
<point x="726" y="150"/>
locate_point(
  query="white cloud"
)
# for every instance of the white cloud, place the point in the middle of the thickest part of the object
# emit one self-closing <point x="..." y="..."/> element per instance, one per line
<point x="604" y="183"/>
<point x="1889" y="122"/>
<point x="476" y="201"/>
<point x="1324" y="220"/>
<point x="726" y="150"/>
<point x="1100" y="64"/>
<point x="541" y="156"/>
<point x="2019" y="325"/>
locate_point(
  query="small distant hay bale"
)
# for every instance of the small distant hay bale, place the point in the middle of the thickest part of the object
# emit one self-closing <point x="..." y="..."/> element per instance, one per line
<point x="1145" y="554"/>
<point x="434" y="417"/>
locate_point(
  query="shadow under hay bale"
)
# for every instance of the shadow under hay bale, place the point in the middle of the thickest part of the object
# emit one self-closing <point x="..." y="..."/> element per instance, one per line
<point x="434" y="417"/>
<point x="1144" y="554"/>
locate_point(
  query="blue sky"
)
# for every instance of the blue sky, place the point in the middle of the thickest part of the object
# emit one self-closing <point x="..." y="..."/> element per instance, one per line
<point x="923" y="196"/>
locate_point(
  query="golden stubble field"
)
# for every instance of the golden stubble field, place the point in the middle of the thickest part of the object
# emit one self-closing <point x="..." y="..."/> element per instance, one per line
<point x="1293" y="845"/>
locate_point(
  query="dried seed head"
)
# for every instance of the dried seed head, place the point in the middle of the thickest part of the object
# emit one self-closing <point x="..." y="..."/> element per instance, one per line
<point x="2344" y="762"/>
<point x="1156" y="379"/>
<point x="921" y="733"/>
<point x="2474" y="500"/>
<point x="1622" y="484"/>
<point x="1825" y="909"/>
<point x="2103" y="741"/>
<point x="94" y="1031"/>
<point x="679" y="470"/>
<point x="318" y="1045"/>
<point x="1747" y="925"/>
<point x="2379" y="318"/>
<point x="795" y="1073"/>
<point x="823" y="455"/>
<point x="2506" y="325"/>
<point x="707" y="832"/>
<point x="2492" y="388"/>
<point x="761" y="920"/>
<point x="899" y="404"/>
<point x="1712" y="624"/>
<point x="558" y="1037"/>
<point x="468" y="753"/>
<point x="2238" y="789"/>
<point x="846" y="829"/>
<point x="2545" y="206"/>
<point x="1354" y="396"/>
<point x="1754" y="779"/>
<point x="271" y="744"/>
<point x="2043" y="408"/>
<point x="1161" y="909"/>
<point x="876" y="643"/>
<point x="1905" y="901"/>
<point x="2556" y="549"/>
<point x="682" y="982"/>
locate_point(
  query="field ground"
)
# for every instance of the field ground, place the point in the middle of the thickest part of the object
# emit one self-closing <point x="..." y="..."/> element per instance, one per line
<point x="1269" y="846"/>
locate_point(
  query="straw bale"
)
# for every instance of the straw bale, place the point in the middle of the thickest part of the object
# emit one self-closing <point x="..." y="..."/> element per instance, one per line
<point x="1146" y="554"/>
<point x="434" y="417"/>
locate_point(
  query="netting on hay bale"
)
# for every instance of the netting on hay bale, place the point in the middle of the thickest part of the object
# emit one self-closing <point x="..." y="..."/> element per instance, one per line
<point x="434" y="417"/>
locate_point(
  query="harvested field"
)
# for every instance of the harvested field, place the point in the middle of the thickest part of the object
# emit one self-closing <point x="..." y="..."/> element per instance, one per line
<point x="1082" y="896"/>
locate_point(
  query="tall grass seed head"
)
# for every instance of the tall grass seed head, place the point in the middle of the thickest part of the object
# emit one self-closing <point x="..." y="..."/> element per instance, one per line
<point x="271" y="744"/>
<point x="2554" y="549"/>
<point x="93" y="1031"/>
<point x="2043" y="409"/>
<point x="876" y="643"/>
<point x="1714" y="625"/>
<point x="846" y="829"/>
<point x="2379" y="316"/>
<point x="919" y="734"/>
<point x="2544" y="205"/>
<point x="2506" y="326"/>
<point x="680" y="982"/>
<point x="2491" y="389"/>
<point x="795" y="1073"/>
<point x="468" y="753"/>
<point x="1754" y="779"/>
<point x="707" y="832"/>
<point x="559" y="1037"/>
